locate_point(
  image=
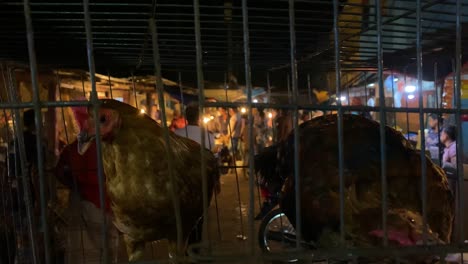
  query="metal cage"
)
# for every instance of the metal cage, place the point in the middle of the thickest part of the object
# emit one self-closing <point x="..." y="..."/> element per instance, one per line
<point x="286" y="46"/>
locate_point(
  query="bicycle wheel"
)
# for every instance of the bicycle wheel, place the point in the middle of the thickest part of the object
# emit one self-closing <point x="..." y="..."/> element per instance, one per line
<point x="276" y="233"/>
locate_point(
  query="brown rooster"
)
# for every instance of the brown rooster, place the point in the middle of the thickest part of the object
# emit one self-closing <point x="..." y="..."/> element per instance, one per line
<point x="135" y="161"/>
<point x="320" y="209"/>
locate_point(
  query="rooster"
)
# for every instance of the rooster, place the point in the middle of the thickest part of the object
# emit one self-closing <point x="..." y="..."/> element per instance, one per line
<point x="135" y="161"/>
<point x="320" y="207"/>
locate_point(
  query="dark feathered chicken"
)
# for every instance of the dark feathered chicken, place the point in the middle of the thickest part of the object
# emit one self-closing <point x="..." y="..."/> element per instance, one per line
<point x="135" y="159"/>
<point x="318" y="155"/>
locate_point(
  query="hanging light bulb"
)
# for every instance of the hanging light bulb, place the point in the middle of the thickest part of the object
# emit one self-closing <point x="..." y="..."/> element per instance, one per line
<point x="410" y="88"/>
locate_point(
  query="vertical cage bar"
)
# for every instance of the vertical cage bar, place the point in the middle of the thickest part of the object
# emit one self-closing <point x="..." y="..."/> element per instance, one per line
<point x="348" y="98"/>
<point x="436" y="89"/>
<point x="61" y="108"/>
<point x="248" y="84"/>
<point x="226" y="86"/>
<point x="406" y="104"/>
<point x="182" y="110"/>
<point x="419" y="63"/>
<point x="288" y="84"/>
<point x="95" y="103"/>
<point x="38" y="121"/>
<point x="458" y="60"/>
<point x="83" y="85"/>
<point x="297" y="179"/>
<point x="268" y="88"/>
<point x="383" y="120"/>
<point x="134" y="91"/>
<point x="7" y="167"/>
<point x="162" y="104"/>
<point x="19" y="145"/>
<point x="336" y="34"/>
<point x="437" y="106"/>
<point x="201" y="104"/>
<point x="4" y="185"/>
<point x="110" y="85"/>
<point x="309" y="89"/>
<point x="393" y="99"/>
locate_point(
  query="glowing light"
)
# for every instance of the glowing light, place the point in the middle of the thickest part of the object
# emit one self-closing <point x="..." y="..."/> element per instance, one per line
<point x="343" y="98"/>
<point x="410" y="96"/>
<point x="395" y="79"/>
<point x="410" y="88"/>
<point x="243" y="110"/>
<point x="142" y="111"/>
<point x="270" y="115"/>
<point x="372" y="85"/>
<point x="206" y="119"/>
<point x="255" y="100"/>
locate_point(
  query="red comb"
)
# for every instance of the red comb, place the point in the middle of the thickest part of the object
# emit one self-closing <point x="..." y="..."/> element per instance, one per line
<point x="80" y="113"/>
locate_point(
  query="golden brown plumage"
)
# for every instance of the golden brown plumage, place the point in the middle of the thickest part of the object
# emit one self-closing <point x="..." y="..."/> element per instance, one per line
<point x="320" y="182"/>
<point x="135" y="161"/>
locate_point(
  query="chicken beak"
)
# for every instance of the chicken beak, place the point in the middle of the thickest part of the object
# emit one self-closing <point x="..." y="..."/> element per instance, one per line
<point x="84" y="142"/>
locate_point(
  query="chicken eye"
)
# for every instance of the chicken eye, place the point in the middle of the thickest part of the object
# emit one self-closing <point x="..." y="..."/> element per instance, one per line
<point x="102" y="119"/>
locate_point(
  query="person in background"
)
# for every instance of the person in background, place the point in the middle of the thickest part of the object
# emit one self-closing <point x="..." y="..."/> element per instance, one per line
<point x="235" y="131"/>
<point x="260" y="126"/>
<point x="223" y="120"/>
<point x="448" y="138"/>
<point x="283" y="125"/>
<point x="30" y="178"/>
<point x="356" y="101"/>
<point x="178" y="121"/>
<point x="268" y="188"/>
<point x="371" y="102"/>
<point x="435" y="124"/>
<point x="192" y="130"/>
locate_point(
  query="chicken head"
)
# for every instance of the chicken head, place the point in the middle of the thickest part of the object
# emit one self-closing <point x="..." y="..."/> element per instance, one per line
<point x="109" y="124"/>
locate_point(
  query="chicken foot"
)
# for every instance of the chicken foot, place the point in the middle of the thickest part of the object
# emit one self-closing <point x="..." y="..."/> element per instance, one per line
<point x="135" y="249"/>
